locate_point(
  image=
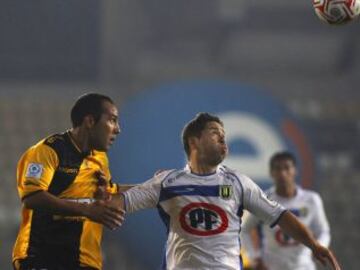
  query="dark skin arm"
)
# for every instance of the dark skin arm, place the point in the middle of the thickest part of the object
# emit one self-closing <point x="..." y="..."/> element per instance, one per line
<point x="99" y="211"/>
<point x="294" y="228"/>
<point x="102" y="193"/>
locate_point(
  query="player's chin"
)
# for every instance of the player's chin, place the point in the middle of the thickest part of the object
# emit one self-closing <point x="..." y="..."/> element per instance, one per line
<point x="103" y="148"/>
<point x="223" y="154"/>
<point x="217" y="159"/>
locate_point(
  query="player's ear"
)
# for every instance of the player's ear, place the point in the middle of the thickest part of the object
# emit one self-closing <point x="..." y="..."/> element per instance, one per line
<point x="89" y="121"/>
<point x="193" y="142"/>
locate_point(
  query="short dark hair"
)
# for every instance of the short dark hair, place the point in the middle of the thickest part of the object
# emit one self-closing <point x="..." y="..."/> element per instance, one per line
<point x="280" y="156"/>
<point x="195" y="127"/>
<point x="88" y="104"/>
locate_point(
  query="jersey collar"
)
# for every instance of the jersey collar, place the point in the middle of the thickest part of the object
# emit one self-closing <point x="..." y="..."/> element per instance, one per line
<point x="188" y="170"/>
<point x="75" y="146"/>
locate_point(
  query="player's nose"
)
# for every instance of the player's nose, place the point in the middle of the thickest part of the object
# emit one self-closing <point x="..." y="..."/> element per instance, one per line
<point x="117" y="129"/>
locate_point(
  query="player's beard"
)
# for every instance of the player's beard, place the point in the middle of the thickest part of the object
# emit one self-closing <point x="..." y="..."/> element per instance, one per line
<point x="213" y="156"/>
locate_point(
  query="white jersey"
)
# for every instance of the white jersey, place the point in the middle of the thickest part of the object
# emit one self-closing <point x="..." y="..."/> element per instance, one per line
<point x="202" y="214"/>
<point x="279" y="251"/>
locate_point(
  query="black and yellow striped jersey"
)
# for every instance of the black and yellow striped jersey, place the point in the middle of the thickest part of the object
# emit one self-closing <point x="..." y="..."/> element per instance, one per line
<point x="57" y="166"/>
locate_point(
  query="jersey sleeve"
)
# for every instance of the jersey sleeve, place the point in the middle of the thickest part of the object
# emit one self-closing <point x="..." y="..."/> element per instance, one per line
<point x="257" y="203"/>
<point x="36" y="169"/>
<point x="320" y="225"/>
<point x="112" y="187"/>
<point x="145" y="195"/>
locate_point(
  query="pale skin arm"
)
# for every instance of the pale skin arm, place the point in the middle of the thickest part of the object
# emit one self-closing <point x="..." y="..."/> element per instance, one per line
<point x="125" y="187"/>
<point x="100" y="211"/>
<point x="294" y="228"/>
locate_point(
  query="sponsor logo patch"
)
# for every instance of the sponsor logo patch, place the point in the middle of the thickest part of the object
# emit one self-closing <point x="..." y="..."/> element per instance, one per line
<point x="34" y="170"/>
<point x="203" y="219"/>
<point x="226" y="192"/>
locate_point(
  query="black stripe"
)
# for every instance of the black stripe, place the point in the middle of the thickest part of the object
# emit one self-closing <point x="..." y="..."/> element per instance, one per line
<point x="277" y="220"/>
<point x="57" y="242"/>
<point x="69" y="158"/>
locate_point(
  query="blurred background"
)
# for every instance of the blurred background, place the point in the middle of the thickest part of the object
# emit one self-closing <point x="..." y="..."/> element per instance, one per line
<point x="157" y="59"/>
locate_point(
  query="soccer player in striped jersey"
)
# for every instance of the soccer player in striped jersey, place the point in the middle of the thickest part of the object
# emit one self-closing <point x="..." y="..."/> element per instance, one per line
<point x="202" y="205"/>
<point x="278" y="250"/>
<point x="61" y="224"/>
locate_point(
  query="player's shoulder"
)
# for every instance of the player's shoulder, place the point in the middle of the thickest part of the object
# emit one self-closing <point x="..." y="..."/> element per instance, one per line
<point x="170" y="176"/>
<point x="43" y="145"/>
<point x="235" y="175"/>
<point x="55" y="141"/>
<point x="308" y="192"/>
<point x="39" y="152"/>
<point x="102" y="156"/>
<point x="230" y="171"/>
<point x="270" y="192"/>
<point x="309" y="195"/>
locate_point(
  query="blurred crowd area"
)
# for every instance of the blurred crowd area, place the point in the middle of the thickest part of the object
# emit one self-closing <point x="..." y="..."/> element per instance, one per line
<point x="51" y="52"/>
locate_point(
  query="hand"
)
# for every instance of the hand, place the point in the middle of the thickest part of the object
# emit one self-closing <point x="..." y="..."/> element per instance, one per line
<point x="110" y="215"/>
<point x="101" y="192"/>
<point x="323" y="255"/>
<point x="259" y="264"/>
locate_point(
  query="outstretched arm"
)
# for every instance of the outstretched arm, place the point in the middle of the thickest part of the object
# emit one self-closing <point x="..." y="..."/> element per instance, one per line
<point x="125" y="187"/>
<point x="98" y="211"/>
<point x="294" y="228"/>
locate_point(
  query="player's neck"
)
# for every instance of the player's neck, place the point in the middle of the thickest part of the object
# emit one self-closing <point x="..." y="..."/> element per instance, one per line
<point x="286" y="191"/>
<point x="80" y="139"/>
<point x="201" y="169"/>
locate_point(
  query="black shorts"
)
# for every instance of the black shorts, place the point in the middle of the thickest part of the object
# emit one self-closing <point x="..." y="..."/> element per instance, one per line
<point x="35" y="264"/>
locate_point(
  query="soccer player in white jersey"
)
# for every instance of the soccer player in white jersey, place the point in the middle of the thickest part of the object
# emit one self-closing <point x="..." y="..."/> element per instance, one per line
<point x="278" y="250"/>
<point x="202" y="204"/>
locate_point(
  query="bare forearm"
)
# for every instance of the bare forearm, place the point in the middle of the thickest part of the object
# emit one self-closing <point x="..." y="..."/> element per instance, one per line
<point x="291" y="226"/>
<point x="47" y="202"/>
<point x="294" y="228"/>
<point x="117" y="200"/>
<point x="99" y="211"/>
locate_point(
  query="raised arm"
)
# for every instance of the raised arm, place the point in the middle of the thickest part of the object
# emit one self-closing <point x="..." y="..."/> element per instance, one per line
<point x="142" y="196"/>
<point x="294" y="228"/>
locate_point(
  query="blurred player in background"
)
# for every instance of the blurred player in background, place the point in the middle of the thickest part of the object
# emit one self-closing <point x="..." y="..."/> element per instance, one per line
<point x="278" y="250"/>
<point x="202" y="205"/>
<point x="57" y="181"/>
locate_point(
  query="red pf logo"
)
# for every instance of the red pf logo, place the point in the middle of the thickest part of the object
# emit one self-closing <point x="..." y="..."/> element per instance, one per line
<point x="203" y="219"/>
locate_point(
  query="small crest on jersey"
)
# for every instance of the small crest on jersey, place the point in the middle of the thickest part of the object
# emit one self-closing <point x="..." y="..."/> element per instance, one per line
<point x="225" y="191"/>
<point x="34" y="170"/>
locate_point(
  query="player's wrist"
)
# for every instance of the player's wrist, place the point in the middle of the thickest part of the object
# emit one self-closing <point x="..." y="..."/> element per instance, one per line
<point x="85" y="209"/>
<point x="314" y="246"/>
